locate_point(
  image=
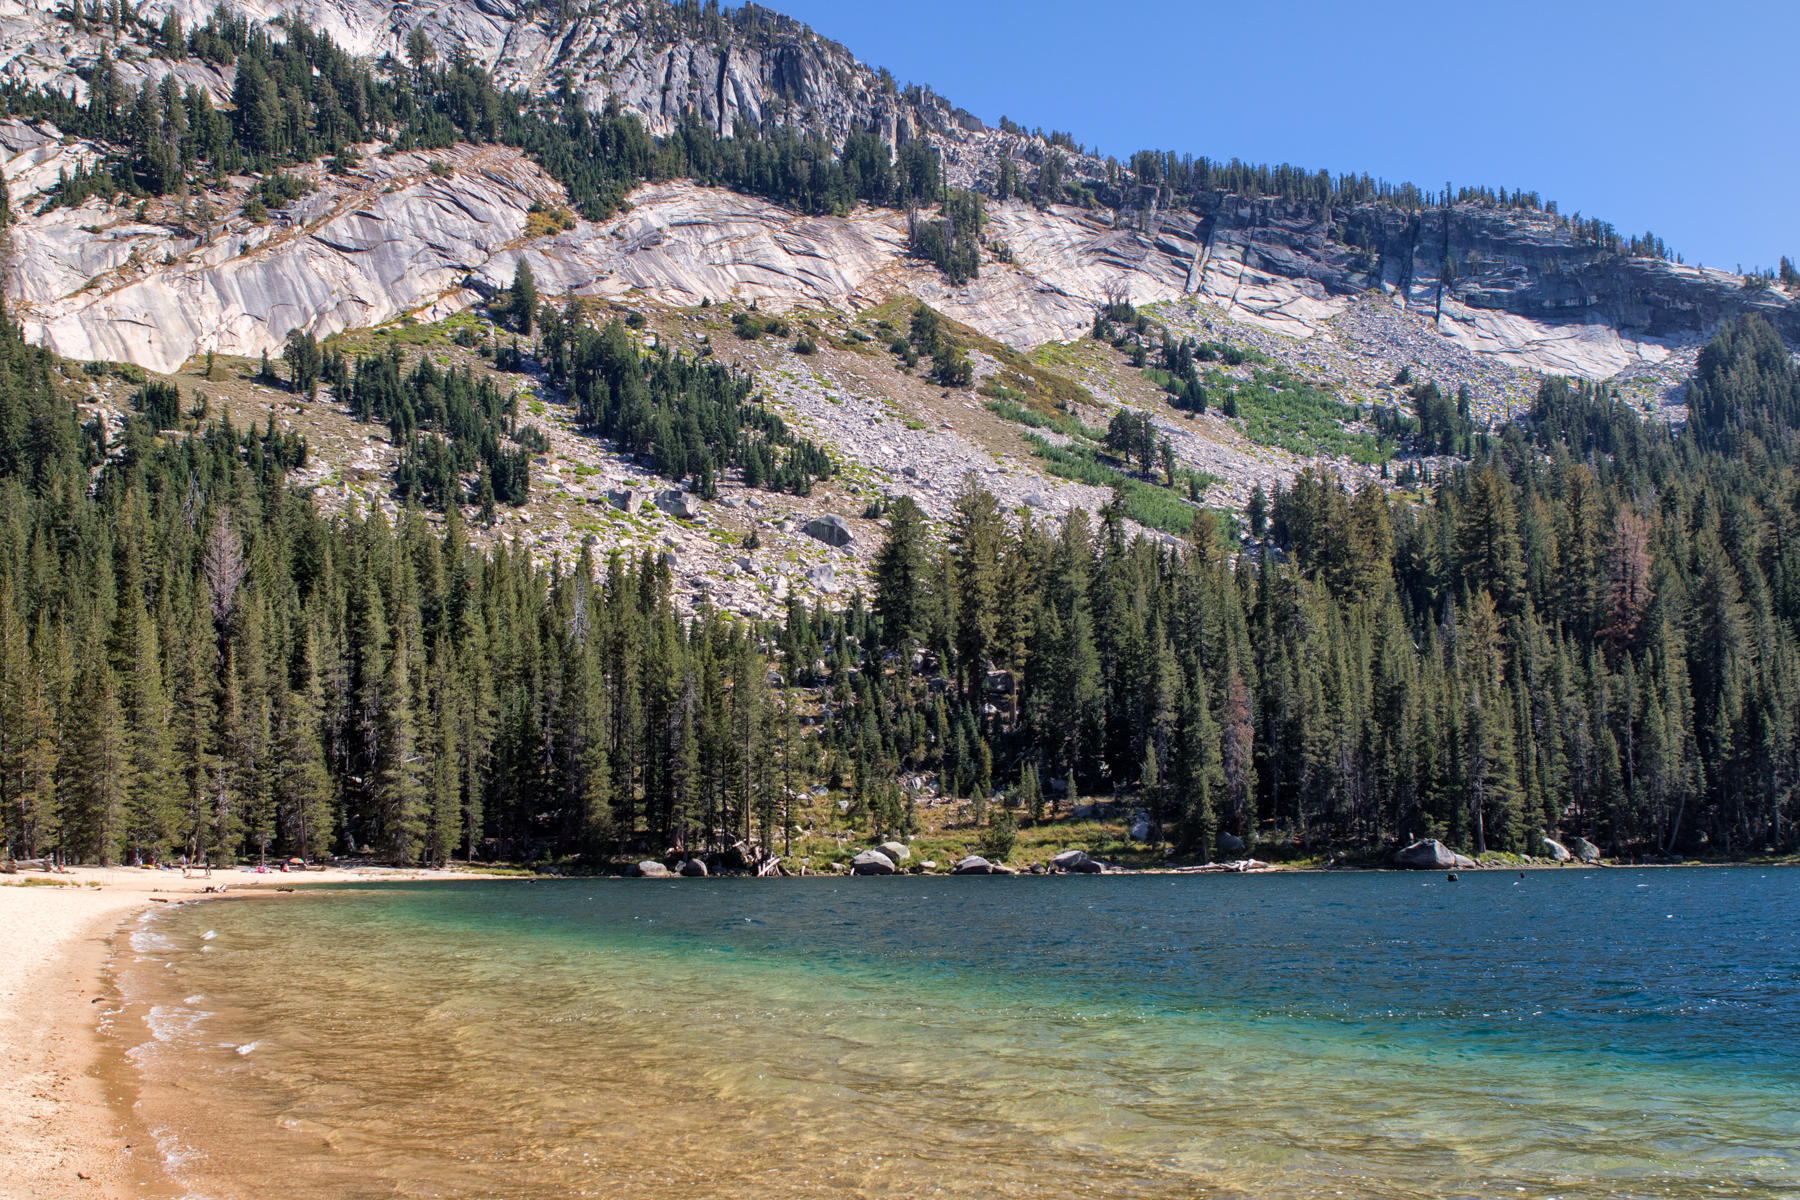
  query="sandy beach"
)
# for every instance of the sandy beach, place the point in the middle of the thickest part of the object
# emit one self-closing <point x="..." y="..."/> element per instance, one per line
<point x="61" y="1133"/>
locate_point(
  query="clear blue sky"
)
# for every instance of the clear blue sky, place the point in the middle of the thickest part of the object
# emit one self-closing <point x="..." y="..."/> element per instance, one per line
<point x="1679" y="118"/>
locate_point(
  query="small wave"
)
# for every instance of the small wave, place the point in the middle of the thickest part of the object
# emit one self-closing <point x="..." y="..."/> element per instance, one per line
<point x="247" y="1047"/>
<point x="167" y="1022"/>
<point x="209" y="935"/>
<point x="145" y="940"/>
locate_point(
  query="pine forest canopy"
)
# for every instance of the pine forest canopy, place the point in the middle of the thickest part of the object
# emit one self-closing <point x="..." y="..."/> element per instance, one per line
<point x="1593" y="629"/>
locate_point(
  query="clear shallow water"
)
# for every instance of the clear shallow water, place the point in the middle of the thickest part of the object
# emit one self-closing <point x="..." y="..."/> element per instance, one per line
<point x="1566" y="1034"/>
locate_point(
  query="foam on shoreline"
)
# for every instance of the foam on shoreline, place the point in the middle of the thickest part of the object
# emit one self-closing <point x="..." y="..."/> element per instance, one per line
<point x="66" y="1120"/>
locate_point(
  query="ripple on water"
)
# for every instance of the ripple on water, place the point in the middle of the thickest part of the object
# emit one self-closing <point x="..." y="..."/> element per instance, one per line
<point x="1273" y="1037"/>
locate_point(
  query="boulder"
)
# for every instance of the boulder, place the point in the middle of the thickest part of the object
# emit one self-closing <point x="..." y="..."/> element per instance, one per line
<point x="974" y="865"/>
<point x="831" y="529"/>
<point x="651" y="869"/>
<point x="1585" y="850"/>
<point x="872" y="862"/>
<point x="1140" y="829"/>
<point x="693" y="868"/>
<point x="1077" y="862"/>
<point x="625" y="500"/>
<point x="1557" y="850"/>
<point x="677" y="503"/>
<point x="1230" y="843"/>
<point x="895" y="852"/>
<point x="1463" y="862"/>
<point x="823" y="577"/>
<point x="1428" y="855"/>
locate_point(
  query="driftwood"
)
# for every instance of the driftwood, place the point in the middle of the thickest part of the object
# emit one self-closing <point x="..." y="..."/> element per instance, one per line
<point x="1240" y="866"/>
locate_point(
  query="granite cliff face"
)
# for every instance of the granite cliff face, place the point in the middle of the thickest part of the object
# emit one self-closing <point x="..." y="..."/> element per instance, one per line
<point x="1514" y="284"/>
<point x="394" y="239"/>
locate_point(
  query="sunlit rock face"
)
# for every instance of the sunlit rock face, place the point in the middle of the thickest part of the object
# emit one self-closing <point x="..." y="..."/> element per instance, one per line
<point x="393" y="238"/>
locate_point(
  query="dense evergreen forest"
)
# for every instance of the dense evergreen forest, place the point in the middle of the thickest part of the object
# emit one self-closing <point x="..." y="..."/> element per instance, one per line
<point x="1596" y="630"/>
<point x="192" y="661"/>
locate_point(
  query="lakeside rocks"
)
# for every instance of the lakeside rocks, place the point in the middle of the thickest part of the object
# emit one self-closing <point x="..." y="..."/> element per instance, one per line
<point x="651" y="869"/>
<point x="1077" y="862"/>
<point x="1557" y="850"/>
<point x="1427" y="855"/>
<point x="872" y="862"/>
<point x="1584" y="850"/>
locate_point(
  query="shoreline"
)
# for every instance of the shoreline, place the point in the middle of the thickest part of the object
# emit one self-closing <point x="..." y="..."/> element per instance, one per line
<point x="66" y="1120"/>
<point x="67" y="1117"/>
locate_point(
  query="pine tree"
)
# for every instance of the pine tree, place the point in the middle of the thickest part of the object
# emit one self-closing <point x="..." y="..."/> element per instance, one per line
<point x="301" y="783"/>
<point x="975" y="531"/>
<point x="524" y="295"/>
<point x="97" y="768"/>
<point x="900" y="574"/>
<point x="28" y="745"/>
<point x="1488" y="552"/>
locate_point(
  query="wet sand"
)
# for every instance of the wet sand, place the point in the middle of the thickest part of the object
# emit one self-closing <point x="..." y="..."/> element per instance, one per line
<point x="64" y="1114"/>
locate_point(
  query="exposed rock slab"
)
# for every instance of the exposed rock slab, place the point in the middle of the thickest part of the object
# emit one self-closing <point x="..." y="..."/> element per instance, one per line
<point x="395" y="239"/>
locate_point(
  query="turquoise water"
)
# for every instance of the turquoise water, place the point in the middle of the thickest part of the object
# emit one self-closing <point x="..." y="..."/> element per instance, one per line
<point x="1562" y="1034"/>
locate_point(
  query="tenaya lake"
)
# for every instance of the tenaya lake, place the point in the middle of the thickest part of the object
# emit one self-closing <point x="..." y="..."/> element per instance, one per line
<point x="1568" y="1034"/>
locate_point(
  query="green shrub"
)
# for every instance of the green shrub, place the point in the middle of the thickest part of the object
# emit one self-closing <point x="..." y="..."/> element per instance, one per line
<point x="997" y="841"/>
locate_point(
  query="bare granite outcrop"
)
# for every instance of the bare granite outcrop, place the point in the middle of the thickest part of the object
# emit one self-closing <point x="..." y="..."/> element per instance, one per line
<point x="1515" y="287"/>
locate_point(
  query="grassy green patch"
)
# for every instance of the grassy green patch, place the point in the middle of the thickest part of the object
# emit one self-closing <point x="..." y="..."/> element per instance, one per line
<point x="1145" y="503"/>
<point x="1278" y="410"/>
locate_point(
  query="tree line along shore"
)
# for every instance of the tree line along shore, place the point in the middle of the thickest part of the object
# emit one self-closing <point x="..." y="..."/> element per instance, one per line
<point x="1592" y="629"/>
